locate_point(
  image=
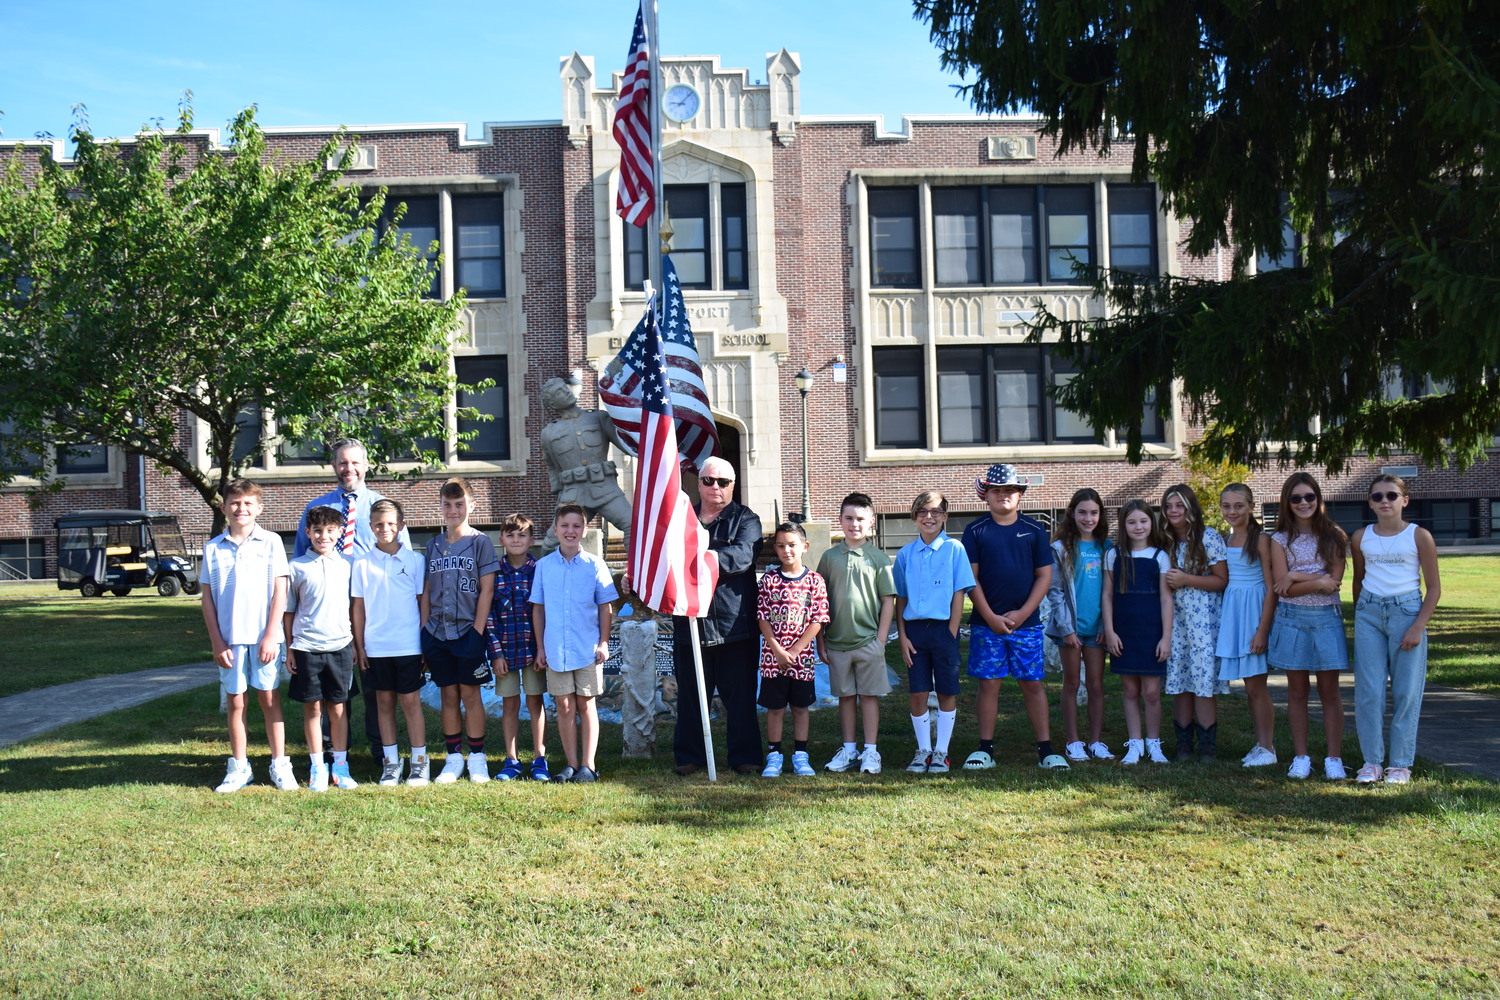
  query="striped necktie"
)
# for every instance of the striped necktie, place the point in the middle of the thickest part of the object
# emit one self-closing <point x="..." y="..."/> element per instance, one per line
<point x="346" y="540"/>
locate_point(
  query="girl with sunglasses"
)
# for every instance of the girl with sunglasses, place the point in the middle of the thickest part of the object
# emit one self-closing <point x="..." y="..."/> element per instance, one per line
<point x="1307" y="563"/>
<point x="1392" y="557"/>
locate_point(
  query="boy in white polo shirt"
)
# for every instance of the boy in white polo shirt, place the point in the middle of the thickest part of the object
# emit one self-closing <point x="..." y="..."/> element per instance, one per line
<point x="244" y="596"/>
<point x="388" y="638"/>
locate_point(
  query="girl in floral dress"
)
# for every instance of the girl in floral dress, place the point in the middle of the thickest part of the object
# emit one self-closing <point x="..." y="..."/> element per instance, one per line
<point x="1197" y="578"/>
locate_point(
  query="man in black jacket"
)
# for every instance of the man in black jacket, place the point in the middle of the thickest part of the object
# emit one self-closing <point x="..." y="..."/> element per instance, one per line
<point x="729" y="634"/>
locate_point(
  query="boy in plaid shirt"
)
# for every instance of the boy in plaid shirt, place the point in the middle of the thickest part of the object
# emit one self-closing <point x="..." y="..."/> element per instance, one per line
<point x="513" y="650"/>
<point x="792" y="607"/>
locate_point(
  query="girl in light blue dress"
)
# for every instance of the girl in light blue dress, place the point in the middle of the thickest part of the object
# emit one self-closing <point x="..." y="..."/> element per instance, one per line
<point x="1249" y="609"/>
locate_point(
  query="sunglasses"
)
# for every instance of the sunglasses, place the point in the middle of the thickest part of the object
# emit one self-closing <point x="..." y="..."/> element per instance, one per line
<point x="1392" y="496"/>
<point x="1303" y="498"/>
<point x="711" y="481"/>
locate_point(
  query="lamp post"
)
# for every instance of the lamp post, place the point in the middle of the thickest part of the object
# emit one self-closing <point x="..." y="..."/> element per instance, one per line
<point x="804" y="380"/>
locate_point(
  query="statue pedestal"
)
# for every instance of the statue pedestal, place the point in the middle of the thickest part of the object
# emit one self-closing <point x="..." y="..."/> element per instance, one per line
<point x="639" y="680"/>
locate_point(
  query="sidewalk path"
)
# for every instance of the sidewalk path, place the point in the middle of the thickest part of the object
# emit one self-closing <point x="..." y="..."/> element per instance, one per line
<point x="32" y="713"/>
<point x="1459" y="729"/>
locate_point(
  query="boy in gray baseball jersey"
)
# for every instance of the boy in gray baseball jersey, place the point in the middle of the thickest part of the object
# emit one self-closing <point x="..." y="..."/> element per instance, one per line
<point x="455" y="605"/>
<point x="322" y="644"/>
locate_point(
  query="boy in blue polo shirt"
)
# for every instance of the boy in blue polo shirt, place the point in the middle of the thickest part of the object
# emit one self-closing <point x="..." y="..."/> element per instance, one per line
<point x="570" y="598"/>
<point x="932" y="575"/>
<point x="1011" y="558"/>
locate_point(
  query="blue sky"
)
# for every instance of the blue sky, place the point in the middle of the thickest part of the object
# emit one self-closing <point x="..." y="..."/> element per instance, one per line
<point x="338" y="63"/>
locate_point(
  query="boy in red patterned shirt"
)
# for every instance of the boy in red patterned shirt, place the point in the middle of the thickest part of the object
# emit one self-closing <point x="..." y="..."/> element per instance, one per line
<point x="792" y="607"/>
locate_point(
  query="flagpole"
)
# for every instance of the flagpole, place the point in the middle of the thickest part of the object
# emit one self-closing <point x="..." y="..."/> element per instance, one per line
<point x="658" y="205"/>
<point x="708" y="736"/>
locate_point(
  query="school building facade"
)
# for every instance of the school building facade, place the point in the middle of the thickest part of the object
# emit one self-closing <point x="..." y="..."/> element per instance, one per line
<point x="898" y="267"/>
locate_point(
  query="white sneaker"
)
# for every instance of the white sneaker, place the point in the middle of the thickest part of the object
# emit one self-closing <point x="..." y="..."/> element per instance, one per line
<point x="416" y="775"/>
<point x="317" y="778"/>
<point x="453" y="769"/>
<point x="773" y="765"/>
<point x="1153" y="750"/>
<point x="236" y="776"/>
<point x="1370" y="774"/>
<point x="1301" y="768"/>
<point x="1100" y="751"/>
<point x="390" y="772"/>
<point x="1076" y="750"/>
<point x="1333" y="769"/>
<point x="869" y="761"/>
<point x="918" y="763"/>
<point x="843" y="760"/>
<point x="1259" y="757"/>
<point x="479" y="769"/>
<point x="282" y="776"/>
<point x="1134" y="749"/>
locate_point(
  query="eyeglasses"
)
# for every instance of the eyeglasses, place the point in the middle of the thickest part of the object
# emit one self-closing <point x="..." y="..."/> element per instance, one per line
<point x="926" y="512"/>
<point x="1303" y="498"/>
<point x="1392" y="496"/>
<point x="711" y="481"/>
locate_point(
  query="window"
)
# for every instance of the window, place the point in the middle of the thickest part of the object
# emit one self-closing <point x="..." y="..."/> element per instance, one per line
<point x="478" y="222"/>
<point x="247" y="434"/>
<point x="492" y="440"/>
<point x="420" y="224"/>
<point x="23" y="559"/>
<point x="706" y="257"/>
<point x="893" y="238"/>
<point x="1132" y="229"/>
<point x="1291" y="245"/>
<point x="1016" y="235"/>
<point x="898" y="397"/>
<point x="997" y="395"/>
<point x="16" y="461"/>
<point x="1448" y="520"/>
<point x="59" y="460"/>
<point x="84" y="459"/>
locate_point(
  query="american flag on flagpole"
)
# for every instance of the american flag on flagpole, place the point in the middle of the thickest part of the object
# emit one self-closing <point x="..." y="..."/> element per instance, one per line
<point x="620" y="385"/>
<point x="632" y="131"/>
<point x="669" y="561"/>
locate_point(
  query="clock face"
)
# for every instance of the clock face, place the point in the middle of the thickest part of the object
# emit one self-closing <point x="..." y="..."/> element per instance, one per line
<point x="681" y="102"/>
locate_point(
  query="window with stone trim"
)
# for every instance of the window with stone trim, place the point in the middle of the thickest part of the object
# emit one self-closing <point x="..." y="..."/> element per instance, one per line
<point x="710" y="240"/>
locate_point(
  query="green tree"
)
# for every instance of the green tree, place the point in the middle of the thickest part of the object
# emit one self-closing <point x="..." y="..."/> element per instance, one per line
<point x="1370" y="128"/>
<point x="145" y="285"/>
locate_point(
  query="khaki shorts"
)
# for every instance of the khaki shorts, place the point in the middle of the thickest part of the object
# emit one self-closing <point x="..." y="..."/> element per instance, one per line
<point x="587" y="681"/>
<point x="509" y="684"/>
<point x="858" y="671"/>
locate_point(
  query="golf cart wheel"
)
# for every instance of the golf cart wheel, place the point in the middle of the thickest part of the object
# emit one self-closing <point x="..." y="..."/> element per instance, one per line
<point x="88" y="588"/>
<point x="120" y="591"/>
<point x="191" y="589"/>
<point x="168" y="586"/>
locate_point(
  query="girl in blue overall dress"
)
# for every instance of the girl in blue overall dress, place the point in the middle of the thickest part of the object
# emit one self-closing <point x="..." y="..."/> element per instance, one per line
<point x="1138" y="624"/>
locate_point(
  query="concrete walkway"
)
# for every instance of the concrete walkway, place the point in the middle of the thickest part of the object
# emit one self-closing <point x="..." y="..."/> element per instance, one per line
<point x="1459" y="729"/>
<point x="32" y="713"/>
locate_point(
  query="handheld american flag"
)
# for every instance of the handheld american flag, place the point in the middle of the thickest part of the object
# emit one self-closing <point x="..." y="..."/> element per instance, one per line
<point x="673" y="571"/>
<point x="632" y="131"/>
<point x="620" y="385"/>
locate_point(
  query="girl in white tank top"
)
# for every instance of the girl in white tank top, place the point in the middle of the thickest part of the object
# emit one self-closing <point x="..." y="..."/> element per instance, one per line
<point x="1392" y="558"/>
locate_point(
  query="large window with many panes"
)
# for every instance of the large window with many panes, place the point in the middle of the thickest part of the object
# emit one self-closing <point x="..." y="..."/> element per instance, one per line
<point x="710" y="243"/>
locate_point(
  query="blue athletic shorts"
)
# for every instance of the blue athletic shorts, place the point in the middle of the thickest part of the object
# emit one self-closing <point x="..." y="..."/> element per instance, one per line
<point x="1017" y="655"/>
<point x="934" y="662"/>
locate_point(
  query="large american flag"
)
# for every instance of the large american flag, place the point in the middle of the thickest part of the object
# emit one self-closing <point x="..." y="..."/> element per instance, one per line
<point x="669" y="561"/>
<point x="620" y="385"/>
<point x="632" y="131"/>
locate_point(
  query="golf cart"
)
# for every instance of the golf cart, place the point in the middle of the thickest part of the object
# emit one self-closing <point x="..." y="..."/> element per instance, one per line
<point x="119" y="550"/>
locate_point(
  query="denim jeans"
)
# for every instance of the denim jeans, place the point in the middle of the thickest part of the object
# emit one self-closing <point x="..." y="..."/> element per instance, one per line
<point x="1379" y="624"/>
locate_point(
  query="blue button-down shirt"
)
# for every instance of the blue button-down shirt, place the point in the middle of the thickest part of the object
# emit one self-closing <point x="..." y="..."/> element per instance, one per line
<point x="571" y="590"/>
<point x="929" y="575"/>
<point x="364" y="538"/>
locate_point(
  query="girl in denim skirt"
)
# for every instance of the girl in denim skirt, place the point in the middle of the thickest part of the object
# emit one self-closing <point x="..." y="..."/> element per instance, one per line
<point x="1392" y="557"/>
<point x="1307" y="563"/>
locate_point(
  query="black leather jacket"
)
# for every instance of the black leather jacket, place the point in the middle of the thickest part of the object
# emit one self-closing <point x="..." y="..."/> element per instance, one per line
<point x="735" y="537"/>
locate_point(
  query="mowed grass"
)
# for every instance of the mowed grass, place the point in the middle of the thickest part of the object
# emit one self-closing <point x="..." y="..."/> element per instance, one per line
<point x="122" y="875"/>
<point x="1464" y="640"/>
<point x="49" y="636"/>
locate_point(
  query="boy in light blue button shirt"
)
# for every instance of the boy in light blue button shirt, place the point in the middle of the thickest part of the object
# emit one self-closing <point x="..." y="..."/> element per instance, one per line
<point x="932" y="575"/>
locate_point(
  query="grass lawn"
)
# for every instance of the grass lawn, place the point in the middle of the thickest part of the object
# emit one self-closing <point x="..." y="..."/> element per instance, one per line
<point x="53" y="636"/>
<point x="122" y="876"/>
<point x="1464" y="644"/>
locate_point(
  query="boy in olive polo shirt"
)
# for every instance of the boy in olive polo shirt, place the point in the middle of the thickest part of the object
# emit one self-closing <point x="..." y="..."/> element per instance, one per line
<point x="861" y="600"/>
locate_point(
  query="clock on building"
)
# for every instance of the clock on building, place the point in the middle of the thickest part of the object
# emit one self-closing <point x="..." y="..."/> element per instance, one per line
<point x="681" y="102"/>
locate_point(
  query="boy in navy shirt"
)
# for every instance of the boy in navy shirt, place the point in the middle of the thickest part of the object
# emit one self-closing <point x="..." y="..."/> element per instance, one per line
<point x="1011" y="558"/>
